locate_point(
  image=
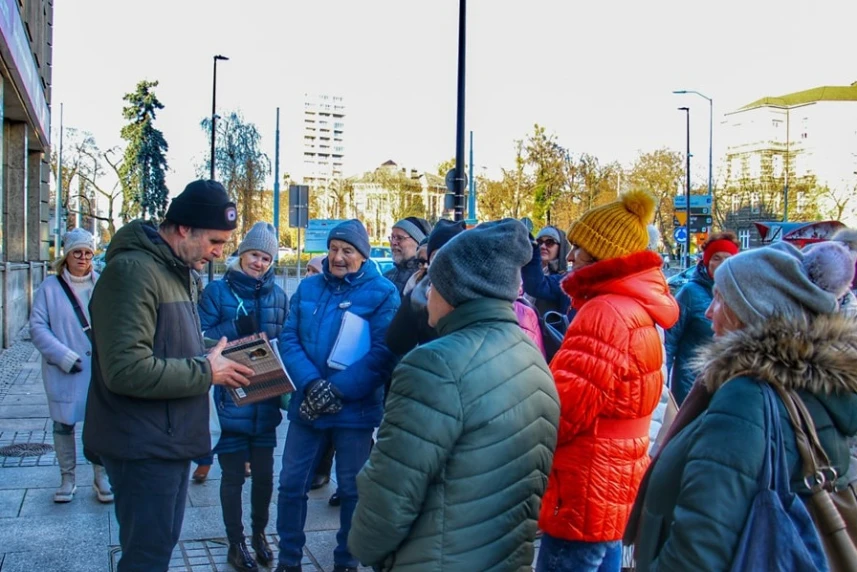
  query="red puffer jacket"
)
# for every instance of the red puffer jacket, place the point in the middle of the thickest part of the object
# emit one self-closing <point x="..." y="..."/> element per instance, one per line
<point x="608" y="376"/>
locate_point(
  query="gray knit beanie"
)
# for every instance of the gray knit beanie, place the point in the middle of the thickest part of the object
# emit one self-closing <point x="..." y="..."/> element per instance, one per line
<point x="775" y="281"/>
<point x="262" y="237"/>
<point x="354" y="233"/>
<point x="484" y="262"/>
<point x="416" y="227"/>
<point x="549" y="232"/>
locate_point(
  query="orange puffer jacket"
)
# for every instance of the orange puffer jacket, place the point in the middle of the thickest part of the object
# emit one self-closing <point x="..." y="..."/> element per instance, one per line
<point x="609" y="380"/>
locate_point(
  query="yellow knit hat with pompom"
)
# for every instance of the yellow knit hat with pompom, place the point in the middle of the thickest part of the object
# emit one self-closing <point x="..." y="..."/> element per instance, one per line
<point x="615" y="229"/>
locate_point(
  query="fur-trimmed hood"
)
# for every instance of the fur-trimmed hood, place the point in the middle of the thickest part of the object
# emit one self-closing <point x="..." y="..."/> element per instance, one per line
<point x="637" y="276"/>
<point x="818" y="355"/>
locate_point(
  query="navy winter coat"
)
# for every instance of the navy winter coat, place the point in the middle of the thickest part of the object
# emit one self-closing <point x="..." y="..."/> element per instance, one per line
<point x="318" y="307"/>
<point x="691" y="331"/>
<point x="222" y="302"/>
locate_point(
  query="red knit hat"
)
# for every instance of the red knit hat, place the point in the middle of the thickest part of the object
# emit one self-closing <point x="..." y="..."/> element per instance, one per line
<point x="722" y="245"/>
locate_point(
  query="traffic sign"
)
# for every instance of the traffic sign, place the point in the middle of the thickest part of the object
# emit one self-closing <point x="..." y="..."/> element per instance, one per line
<point x="316" y="234"/>
<point x="450" y="180"/>
<point x="696" y="202"/>
<point x="680" y="234"/>
<point x="298" y="206"/>
<point x="698" y="223"/>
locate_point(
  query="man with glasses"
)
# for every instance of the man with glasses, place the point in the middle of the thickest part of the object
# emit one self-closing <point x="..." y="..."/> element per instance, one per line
<point x="406" y="236"/>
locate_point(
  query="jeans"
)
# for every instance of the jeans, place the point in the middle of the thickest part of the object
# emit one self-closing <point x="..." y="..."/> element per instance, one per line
<point x="558" y="555"/>
<point x="232" y="481"/>
<point x="150" y="496"/>
<point x="304" y="449"/>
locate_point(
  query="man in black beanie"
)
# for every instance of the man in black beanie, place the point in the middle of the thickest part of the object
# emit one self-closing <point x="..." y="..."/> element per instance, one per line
<point x="406" y="236"/>
<point x="147" y="409"/>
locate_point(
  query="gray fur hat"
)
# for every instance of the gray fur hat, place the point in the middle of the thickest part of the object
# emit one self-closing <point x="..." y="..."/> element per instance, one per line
<point x="262" y="237"/>
<point x="484" y="262"/>
<point x="780" y="280"/>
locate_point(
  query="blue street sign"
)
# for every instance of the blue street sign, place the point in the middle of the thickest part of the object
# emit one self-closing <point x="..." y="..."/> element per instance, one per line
<point x="696" y="202"/>
<point x="680" y="234"/>
<point x="316" y="234"/>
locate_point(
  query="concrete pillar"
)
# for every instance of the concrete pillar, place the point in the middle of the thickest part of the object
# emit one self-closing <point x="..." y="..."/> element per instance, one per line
<point x="37" y="208"/>
<point x="15" y="189"/>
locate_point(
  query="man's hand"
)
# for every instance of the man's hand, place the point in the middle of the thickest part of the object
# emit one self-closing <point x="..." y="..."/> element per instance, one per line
<point x="224" y="371"/>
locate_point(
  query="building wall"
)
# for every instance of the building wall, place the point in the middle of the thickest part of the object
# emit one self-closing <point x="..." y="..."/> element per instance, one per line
<point x="26" y="48"/>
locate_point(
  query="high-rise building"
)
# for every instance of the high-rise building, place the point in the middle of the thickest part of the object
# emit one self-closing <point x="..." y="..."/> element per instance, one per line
<point x="26" y="49"/>
<point x="323" y="139"/>
<point x="796" y="151"/>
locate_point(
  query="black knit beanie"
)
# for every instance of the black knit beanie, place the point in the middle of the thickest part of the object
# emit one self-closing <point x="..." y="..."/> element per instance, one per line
<point x="442" y="233"/>
<point x="203" y="204"/>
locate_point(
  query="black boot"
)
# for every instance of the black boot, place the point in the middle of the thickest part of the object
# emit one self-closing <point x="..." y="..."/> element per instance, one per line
<point x="334" y="499"/>
<point x="240" y="559"/>
<point x="319" y="481"/>
<point x="284" y="568"/>
<point x="259" y="542"/>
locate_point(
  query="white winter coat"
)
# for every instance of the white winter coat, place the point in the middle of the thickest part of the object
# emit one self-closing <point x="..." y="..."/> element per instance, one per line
<point x="57" y="334"/>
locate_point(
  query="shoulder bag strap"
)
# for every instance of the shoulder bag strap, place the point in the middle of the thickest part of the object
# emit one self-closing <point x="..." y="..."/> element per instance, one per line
<point x="81" y="317"/>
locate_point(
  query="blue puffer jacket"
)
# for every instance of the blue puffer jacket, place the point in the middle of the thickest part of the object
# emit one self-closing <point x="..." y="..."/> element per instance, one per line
<point x="691" y="331"/>
<point x="311" y="330"/>
<point x="222" y="302"/>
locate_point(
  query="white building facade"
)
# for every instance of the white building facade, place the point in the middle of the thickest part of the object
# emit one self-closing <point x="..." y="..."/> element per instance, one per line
<point x="807" y="137"/>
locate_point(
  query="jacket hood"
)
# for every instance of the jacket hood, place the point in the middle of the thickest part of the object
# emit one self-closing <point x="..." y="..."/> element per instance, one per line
<point x="818" y="356"/>
<point x="560" y="265"/>
<point x="637" y="276"/>
<point x="141" y="236"/>
<point x="701" y="277"/>
<point x="366" y="272"/>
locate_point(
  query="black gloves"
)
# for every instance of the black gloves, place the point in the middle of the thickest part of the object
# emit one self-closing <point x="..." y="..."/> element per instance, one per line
<point x="320" y="398"/>
<point x="246" y="325"/>
<point x="77" y="367"/>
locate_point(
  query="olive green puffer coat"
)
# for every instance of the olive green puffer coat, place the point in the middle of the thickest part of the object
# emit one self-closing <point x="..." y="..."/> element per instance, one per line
<point x="455" y="480"/>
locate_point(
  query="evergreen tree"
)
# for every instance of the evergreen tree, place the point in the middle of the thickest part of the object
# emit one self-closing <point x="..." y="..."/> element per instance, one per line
<point x="144" y="165"/>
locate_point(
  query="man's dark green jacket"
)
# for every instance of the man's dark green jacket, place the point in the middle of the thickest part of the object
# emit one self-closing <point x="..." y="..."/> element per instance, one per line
<point x="150" y="379"/>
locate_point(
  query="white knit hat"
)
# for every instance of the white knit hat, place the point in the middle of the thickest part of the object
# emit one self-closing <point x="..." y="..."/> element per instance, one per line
<point x="78" y="238"/>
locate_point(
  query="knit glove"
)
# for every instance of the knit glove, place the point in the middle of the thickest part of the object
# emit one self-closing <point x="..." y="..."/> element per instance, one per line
<point x="306" y="412"/>
<point x="323" y="397"/>
<point x="246" y="325"/>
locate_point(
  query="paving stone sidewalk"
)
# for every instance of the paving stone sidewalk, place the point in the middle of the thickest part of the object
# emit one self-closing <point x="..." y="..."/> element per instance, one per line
<point x="82" y="536"/>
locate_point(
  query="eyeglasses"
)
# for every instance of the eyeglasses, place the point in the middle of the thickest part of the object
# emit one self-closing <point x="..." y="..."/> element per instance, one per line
<point x="549" y="242"/>
<point x="81" y="254"/>
<point x="397" y="238"/>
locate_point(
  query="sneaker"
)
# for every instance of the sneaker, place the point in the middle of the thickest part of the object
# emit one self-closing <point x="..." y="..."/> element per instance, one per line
<point x="201" y="473"/>
<point x="334" y="499"/>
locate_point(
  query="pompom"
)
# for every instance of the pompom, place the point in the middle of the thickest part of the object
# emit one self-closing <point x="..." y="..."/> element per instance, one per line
<point x="641" y="204"/>
<point x="830" y="267"/>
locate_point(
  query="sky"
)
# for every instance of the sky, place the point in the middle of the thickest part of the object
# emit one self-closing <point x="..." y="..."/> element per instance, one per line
<point x="598" y="74"/>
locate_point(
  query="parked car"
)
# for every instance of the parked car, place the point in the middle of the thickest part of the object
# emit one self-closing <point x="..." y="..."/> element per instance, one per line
<point x="380" y="252"/>
<point x="382" y="263"/>
<point x="98" y="261"/>
<point x="677" y="281"/>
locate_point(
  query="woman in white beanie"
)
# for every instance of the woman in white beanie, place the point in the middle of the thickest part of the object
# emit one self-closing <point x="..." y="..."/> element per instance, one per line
<point x="60" y="307"/>
<point x="246" y="301"/>
<point x="776" y="325"/>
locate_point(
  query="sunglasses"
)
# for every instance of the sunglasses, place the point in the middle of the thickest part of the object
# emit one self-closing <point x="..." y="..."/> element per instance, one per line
<point x="549" y="242"/>
<point x="81" y="254"/>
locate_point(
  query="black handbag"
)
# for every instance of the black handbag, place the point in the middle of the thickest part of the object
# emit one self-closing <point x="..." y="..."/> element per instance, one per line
<point x="81" y="317"/>
<point x="554" y="325"/>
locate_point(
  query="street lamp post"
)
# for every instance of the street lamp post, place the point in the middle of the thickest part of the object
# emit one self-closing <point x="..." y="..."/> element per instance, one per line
<point x="687" y="191"/>
<point x="213" y="121"/>
<point x="459" y="127"/>
<point x="710" y="141"/>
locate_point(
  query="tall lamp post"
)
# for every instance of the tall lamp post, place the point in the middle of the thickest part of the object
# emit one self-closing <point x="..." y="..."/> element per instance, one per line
<point x="687" y="191"/>
<point x="213" y="121"/>
<point x="710" y="140"/>
<point x="459" y="123"/>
